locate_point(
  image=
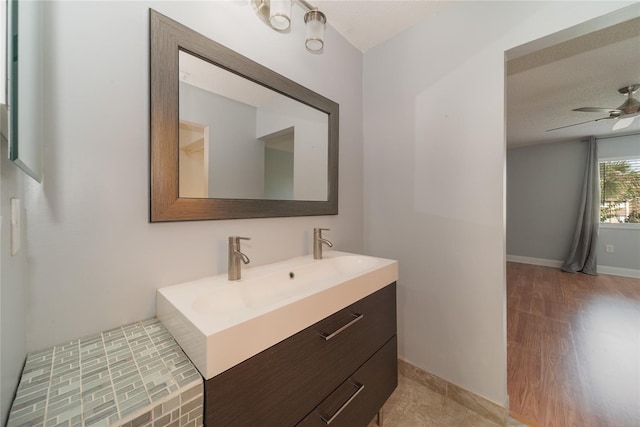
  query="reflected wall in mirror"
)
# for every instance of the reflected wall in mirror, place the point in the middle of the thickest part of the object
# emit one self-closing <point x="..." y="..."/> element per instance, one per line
<point x="231" y="138"/>
<point x="226" y="120"/>
<point x="25" y="85"/>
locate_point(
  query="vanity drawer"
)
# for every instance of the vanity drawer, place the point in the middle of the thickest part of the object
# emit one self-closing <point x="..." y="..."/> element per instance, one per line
<point x="356" y="401"/>
<point x="284" y="383"/>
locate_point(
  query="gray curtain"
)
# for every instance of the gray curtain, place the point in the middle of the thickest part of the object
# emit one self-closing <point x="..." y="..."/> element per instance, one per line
<point x="583" y="254"/>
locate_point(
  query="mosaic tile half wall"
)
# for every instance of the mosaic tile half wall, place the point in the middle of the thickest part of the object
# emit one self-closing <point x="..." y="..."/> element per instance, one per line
<point x="136" y="375"/>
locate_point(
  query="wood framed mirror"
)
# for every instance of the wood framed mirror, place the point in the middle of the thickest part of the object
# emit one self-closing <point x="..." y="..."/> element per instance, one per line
<point x="230" y="138"/>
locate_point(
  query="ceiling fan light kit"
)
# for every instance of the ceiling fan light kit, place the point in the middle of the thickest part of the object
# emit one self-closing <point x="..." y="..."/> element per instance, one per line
<point x="629" y="109"/>
<point x="631" y="105"/>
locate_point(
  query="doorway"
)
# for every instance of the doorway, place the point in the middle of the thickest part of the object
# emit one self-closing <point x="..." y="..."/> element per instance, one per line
<point x="573" y="340"/>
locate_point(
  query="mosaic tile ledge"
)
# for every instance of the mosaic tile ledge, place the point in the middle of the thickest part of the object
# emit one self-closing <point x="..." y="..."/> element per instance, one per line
<point x="132" y="376"/>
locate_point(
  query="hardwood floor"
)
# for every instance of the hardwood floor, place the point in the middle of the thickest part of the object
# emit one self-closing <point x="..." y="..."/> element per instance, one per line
<point x="573" y="348"/>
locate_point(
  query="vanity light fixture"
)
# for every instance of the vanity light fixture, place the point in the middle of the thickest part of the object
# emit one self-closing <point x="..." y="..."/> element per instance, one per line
<point x="315" y="21"/>
<point x="277" y="14"/>
<point x="280" y="14"/>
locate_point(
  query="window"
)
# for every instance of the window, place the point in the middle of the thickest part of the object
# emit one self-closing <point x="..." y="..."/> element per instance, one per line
<point x="620" y="191"/>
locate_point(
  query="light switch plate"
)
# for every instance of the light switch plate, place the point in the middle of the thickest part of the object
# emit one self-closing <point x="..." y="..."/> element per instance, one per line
<point x="15" y="226"/>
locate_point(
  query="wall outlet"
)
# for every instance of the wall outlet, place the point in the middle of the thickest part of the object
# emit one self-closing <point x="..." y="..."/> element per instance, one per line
<point x="608" y="249"/>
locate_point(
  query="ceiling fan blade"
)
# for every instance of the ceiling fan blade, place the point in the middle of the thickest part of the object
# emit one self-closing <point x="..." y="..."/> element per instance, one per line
<point x="581" y="123"/>
<point x="597" y="110"/>
<point x="624" y="123"/>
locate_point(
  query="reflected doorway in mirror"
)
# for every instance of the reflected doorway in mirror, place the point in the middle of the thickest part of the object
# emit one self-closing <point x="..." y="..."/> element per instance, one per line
<point x="194" y="160"/>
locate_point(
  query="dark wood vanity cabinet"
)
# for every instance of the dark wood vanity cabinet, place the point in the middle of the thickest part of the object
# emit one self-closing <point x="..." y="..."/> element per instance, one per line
<point x="341" y="369"/>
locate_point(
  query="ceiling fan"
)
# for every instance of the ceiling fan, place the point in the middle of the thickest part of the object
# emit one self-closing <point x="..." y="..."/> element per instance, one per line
<point x="628" y="110"/>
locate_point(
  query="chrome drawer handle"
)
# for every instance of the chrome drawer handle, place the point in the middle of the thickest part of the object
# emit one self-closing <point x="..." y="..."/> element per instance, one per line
<point x="353" y="396"/>
<point x="356" y="317"/>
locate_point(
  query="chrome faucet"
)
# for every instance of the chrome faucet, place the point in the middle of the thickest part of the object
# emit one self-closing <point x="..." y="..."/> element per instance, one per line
<point x="318" y="241"/>
<point x="235" y="256"/>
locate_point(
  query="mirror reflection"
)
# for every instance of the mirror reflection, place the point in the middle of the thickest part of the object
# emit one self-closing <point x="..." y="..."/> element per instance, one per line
<point x="241" y="140"/>
<point x="25" y="77"/>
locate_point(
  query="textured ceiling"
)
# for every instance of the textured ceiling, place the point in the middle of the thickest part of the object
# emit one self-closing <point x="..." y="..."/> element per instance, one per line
<point x="544" y="86"/>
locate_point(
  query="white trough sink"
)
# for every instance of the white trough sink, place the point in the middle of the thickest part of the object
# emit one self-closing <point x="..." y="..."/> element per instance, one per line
<point x="220" y="323"/>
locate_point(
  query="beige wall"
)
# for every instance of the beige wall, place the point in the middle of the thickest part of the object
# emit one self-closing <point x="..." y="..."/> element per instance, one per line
<point x="13" y="285"/>
<point x="95" y="260"/>
<point x="434" y="178"/>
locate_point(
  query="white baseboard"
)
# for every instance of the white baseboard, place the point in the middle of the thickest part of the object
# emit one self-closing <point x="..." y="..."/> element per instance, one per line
<point x="535" y="261"/>
<point x="617" y="271"/>
<point x="602" y="269"/>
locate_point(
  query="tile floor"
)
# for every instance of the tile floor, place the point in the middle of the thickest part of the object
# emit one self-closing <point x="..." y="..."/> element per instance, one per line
<point x="415" y="405"/>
